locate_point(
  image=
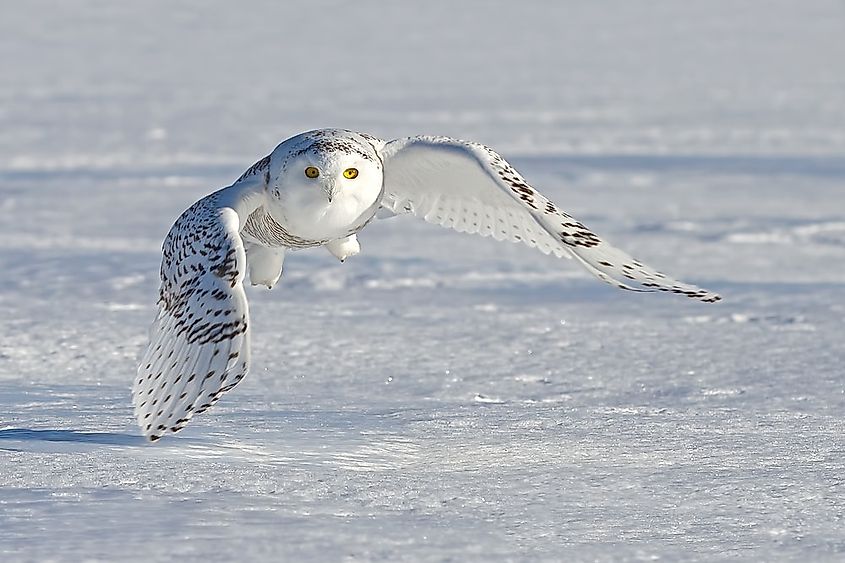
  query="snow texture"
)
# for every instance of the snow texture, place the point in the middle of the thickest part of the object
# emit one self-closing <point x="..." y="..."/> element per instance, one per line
<point x="463" y="400"/>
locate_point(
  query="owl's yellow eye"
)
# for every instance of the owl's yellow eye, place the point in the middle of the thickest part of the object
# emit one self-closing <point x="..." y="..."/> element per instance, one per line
<point x="312" y="172"/>
<point x="350" y="173"/>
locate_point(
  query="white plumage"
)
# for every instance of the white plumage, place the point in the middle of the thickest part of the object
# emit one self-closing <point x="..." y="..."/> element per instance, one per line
<point x="319" y="189"/>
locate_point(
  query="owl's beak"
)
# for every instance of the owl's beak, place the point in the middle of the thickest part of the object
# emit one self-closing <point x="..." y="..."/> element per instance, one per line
<point x="330" y="190"/>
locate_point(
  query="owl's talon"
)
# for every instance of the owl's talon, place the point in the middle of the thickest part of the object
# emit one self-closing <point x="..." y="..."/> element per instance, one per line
<point x="344" y="248"/>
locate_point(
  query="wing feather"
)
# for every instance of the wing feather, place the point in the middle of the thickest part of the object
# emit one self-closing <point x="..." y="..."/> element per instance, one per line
<point x="470" y="188"/>
<point x="199" y="342"/>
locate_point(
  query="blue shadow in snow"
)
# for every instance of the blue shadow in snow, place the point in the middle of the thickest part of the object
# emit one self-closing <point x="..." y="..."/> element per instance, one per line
<point x="107" y="438"/>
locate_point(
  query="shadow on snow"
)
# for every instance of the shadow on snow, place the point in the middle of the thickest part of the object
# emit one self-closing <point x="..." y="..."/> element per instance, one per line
<point x="107" y="438"/>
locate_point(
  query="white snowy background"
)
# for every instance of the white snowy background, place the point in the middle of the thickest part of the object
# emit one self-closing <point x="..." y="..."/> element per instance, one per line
<point x="440" y="397"/>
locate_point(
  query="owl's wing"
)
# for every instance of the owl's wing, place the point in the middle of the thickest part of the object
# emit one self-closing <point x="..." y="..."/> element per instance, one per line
<point x="199" y="342"/>
<point x="470" y="188"/>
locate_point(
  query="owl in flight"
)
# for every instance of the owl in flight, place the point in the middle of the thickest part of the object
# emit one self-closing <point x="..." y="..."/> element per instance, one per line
<point x="321" y="188"/>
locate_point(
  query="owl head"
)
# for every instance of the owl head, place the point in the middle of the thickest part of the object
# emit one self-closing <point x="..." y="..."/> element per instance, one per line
<point x="327" y="168"/>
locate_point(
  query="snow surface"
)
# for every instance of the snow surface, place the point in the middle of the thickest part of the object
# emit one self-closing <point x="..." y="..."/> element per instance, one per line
<point x="440" y="397"/>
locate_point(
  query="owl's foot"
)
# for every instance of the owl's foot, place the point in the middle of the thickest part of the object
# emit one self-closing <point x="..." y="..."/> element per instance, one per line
<point x="264" y="264"/>
<point x="344" y="248"/>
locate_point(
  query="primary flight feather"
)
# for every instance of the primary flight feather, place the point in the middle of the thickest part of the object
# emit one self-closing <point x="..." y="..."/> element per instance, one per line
<point x="319" y="189"/>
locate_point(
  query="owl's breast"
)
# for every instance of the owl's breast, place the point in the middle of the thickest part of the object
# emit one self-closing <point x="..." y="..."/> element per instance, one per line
<point x="275" y="229"/>
<point x="264" y="228"/>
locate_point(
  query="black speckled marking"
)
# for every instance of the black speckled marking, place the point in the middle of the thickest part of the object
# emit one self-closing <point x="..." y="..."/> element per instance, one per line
<point x="260" y="166"/>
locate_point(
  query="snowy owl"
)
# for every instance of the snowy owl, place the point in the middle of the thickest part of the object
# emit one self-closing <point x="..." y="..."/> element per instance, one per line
<point x="321" y="188"/>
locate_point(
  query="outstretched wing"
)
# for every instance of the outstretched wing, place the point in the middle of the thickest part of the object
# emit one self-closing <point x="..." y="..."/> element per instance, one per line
<point x="472" y="189"/>
<point x="199" y="342"/>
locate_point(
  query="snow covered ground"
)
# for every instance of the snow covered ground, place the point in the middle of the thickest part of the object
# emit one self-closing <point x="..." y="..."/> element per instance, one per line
<point x="440" y="397"/>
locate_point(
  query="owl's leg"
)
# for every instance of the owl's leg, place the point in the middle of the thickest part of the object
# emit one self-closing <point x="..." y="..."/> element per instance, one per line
<point x="264" y="264"/>
<point x="343" y="248"/>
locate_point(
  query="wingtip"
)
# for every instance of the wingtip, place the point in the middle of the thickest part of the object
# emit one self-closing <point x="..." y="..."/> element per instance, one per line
<point x="700" y="295"/>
